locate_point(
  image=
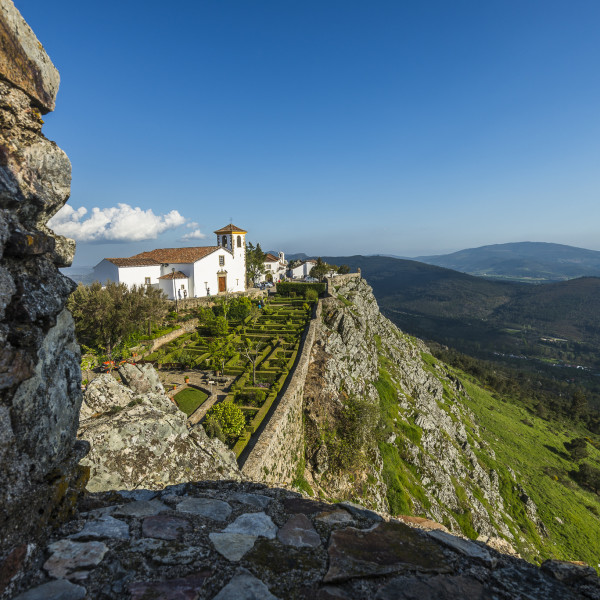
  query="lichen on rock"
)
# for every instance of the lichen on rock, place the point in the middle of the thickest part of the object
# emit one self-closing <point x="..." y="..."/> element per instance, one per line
<point x="139" y="438"/>
<point x="40" y="391"/>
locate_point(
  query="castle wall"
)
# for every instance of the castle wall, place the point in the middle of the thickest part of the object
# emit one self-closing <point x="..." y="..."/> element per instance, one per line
<point x="40" y="380"/>
<point x="275" y="457"/>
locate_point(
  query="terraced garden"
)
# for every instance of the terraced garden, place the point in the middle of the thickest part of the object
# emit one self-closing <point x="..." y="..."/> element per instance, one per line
<point x="258" y="350"/>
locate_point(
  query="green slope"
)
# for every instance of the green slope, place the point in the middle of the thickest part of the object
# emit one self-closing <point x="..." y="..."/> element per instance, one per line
<point x="531" y="447"/>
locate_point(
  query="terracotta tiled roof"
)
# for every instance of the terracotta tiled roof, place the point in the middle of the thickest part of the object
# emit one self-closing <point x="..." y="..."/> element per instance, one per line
<point x="271" y="257"/>
<point x="134" y="261"/>
<point x="177" y="255"/>
<point x="176" y="275"/>
<point x="230" y="229"/>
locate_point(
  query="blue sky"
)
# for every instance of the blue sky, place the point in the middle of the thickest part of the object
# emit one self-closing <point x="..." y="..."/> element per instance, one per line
<point x="327" y="127"/>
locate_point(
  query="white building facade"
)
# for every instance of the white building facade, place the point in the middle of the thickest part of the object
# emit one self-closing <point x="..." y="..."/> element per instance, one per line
<point x="302" y="270"/>
<point x="275" y="267"/>
<point x="184" y="272"/>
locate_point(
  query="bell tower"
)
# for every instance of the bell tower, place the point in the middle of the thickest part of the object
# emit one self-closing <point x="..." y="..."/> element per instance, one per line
<point x="233" y="239"/>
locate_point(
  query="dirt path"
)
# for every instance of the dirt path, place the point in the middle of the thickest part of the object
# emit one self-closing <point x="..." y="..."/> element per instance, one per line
<point x="201" y="411"/>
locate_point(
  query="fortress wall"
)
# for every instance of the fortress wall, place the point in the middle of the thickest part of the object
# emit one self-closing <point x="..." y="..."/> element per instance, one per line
<point x="40" y="379"/>
<point x="275" y="457"/>
<point x="169" y="337"/>
<point x="337" y="280"/>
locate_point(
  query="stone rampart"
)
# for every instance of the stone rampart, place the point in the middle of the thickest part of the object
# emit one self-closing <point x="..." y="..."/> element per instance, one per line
<point x="172" y="335"/>
<point x="275" y="457"/>
<point x="337" y="280"/>
<point x="40" y="378"/>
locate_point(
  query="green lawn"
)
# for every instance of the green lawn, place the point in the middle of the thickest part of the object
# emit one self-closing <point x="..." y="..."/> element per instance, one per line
<point x="536" y="452"/>
<point x="189" y="400"/>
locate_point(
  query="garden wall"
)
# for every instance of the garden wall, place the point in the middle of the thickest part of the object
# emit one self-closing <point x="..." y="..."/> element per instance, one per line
<point x="275" y="456"/>
<point x="210" y="300"/>
<point x="169" y="337"/>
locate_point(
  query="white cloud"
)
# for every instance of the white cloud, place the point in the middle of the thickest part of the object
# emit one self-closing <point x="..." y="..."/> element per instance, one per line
<point x="121" y="223"/>
<point x="194" y="235"/>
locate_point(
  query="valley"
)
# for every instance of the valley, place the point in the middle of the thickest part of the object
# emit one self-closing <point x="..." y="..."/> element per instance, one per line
<point x="552" y="330"/>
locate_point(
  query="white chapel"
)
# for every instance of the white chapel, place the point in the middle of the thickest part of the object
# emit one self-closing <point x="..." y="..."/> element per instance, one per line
<point x="184" y="272"/>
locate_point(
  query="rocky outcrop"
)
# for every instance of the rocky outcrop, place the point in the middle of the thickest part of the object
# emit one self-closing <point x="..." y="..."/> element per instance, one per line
<point x="39" y="357"/>
<point x="23" y="60"/>
<point x="139" y="438"/>
<point x="223" y="540"/>
<point x="432" y="433"/>
<point x="343" y="367"/>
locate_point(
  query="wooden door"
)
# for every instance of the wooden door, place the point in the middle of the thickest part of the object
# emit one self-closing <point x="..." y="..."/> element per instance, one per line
<point x="222" y="284"/>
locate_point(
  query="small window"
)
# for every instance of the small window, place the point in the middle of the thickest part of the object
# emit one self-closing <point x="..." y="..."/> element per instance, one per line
<point x="268" y="267"/>
<point x="221" y="261"/>
<point x="225" y="241"/>
<point x="239" y="241"/>
<point x="147" y="280"/>
<point x="183" y="287"/>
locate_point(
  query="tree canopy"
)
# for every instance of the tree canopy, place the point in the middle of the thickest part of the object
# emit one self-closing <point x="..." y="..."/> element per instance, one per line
<point x="255" y="262"/>
<point x="106" y="316"/>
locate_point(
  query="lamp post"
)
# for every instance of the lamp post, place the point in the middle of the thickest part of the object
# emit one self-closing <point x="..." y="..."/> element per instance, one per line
<point x="174" y="291"/>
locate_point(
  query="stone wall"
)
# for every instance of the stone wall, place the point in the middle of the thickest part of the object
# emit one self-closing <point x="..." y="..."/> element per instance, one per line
<point x="337" y="280"/>
<point x="275" y="457"/>
<point x="40" y="380"/>
<point x="172" y="335"/>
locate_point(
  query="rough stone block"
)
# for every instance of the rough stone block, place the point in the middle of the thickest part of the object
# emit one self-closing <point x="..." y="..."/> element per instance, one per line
<point x="23" y="60"/>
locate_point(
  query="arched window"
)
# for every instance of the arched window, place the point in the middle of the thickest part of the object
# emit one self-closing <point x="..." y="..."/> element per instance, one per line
<point x="239" y="243"/>
<point x="225" y="240"/>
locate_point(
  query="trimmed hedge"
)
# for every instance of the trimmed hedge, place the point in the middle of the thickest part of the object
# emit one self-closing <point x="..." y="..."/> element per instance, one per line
<point x="288" y="287"/>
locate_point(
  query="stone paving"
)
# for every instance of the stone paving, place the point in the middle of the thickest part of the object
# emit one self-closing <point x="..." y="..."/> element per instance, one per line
<point x="227" y="540"/>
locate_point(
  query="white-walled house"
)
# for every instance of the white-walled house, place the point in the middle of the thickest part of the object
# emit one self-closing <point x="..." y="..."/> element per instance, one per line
<point x="275" y="267"/>
<point x="184" y="272"/>
<point x="302" y="270"/>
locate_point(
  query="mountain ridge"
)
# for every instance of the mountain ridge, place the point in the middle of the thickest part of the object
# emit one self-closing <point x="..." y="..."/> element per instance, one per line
<point x="531" y="262"/>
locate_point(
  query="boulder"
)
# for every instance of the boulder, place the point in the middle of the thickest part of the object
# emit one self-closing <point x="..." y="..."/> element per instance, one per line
<point x="103" y="394"/>
<point x="142" y="439"/>
<point x="142" y="379"/>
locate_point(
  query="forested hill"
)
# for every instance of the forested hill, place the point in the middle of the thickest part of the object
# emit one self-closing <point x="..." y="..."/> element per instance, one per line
<point x="532" y="262"/>
<point x="428" y="289"/>
<point x="552" y="328"/>
<point x="569" y="309"/>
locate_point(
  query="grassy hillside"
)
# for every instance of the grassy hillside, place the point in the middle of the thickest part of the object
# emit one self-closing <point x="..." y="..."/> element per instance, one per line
<point x="534" y="449"/>
<point x="393" y="427"/>
<point x="529" y="454"/>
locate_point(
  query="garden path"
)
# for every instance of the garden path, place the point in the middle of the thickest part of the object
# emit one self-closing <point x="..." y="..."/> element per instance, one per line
<point x="200" y="380"/>
<point x="201" y="411"/>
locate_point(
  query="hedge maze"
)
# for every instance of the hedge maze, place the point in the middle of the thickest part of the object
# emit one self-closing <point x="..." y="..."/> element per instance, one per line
<point x="259" y="350"/>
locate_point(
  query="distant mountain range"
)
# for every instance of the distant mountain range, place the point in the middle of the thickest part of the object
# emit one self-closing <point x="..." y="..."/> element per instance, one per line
<point x="530" y="262"/>
<point x="550" y="324"/>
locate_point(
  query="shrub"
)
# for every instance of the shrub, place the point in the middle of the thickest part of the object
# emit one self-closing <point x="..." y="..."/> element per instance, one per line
<point x="311" y="295"/>
<point x="230" y="418"/>
<point x="297" y="288"/>
<point x="588" y="476"/>
<point x="577" y="448"/>
<point x="213" y="429"/>
<point x="251" y="397"/>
